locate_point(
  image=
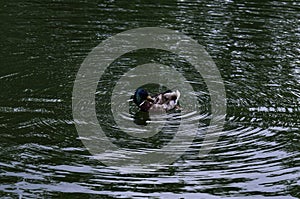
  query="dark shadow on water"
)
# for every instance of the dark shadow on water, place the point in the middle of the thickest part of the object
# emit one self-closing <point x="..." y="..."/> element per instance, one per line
<point x="141" y="118"/>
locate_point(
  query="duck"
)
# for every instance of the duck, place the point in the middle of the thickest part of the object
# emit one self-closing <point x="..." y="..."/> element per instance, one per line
<point x="165" y="101"/>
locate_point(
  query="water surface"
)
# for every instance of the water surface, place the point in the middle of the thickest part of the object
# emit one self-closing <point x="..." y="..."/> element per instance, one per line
<point x="255" y="45"/>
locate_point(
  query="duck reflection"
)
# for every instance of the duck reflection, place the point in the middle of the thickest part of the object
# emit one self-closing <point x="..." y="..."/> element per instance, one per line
<point x="141" y="118"/>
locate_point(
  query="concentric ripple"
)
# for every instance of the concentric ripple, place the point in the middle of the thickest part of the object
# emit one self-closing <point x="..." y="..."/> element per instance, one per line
<point x="255" y="45"/>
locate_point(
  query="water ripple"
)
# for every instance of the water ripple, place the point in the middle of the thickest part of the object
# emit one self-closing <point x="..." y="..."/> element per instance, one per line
<point x="255" y="45"/>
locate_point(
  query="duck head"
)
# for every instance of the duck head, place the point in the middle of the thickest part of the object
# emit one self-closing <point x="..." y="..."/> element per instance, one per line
<point x="142" y="99"/>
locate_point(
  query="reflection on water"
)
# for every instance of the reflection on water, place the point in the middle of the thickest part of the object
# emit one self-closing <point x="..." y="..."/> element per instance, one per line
<point x="141" y="118"/>
<point x="255" y="46"/>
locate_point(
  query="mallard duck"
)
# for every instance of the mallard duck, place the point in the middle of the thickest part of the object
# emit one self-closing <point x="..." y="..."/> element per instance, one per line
<point x="167" y="100"/>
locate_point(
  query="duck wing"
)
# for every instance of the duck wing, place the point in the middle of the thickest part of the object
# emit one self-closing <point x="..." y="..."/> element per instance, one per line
<point x="167" y="100"/>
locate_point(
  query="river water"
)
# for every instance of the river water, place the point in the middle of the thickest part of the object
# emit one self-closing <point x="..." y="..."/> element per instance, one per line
<point x="255" y="46"/>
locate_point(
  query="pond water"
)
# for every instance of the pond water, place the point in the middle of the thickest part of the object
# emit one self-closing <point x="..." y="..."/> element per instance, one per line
<point x="255" y="46"/>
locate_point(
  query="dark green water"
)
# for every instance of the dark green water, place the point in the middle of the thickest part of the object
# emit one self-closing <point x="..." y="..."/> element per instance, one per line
<point x="255" y="45"/>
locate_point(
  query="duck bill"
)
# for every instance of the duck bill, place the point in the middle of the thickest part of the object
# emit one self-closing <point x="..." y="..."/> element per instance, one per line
<point x="149" y="98"/>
